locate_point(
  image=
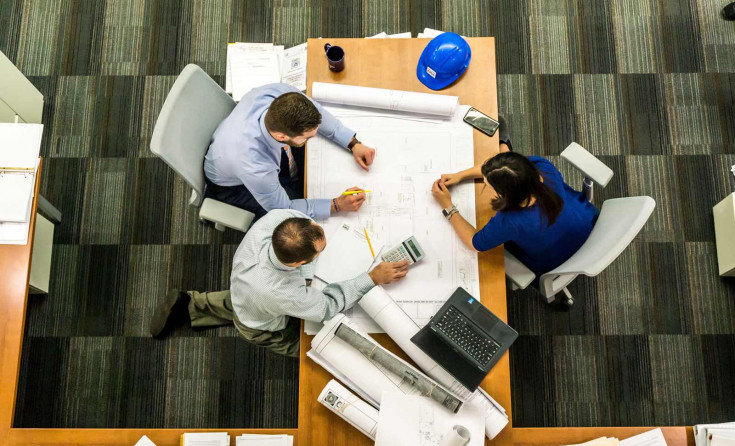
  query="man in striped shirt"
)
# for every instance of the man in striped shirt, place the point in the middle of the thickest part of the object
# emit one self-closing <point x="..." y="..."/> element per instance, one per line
<point x="255" y="160"/>
<point x="269" y="286"/>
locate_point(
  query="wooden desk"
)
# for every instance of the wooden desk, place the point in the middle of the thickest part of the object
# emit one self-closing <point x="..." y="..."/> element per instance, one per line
<point x="391" y="63"/>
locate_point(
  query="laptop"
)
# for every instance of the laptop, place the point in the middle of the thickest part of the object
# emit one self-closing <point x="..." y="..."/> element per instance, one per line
<point x="465" y="338"/>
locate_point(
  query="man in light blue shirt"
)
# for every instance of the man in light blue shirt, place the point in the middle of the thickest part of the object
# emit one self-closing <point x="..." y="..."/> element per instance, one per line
<point x="255" y="160"/>
<point x="269" y="287"/>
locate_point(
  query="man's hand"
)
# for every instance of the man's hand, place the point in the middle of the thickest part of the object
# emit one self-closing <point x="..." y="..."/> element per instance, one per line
<point x="441" y="194"/>
<point x="350" y="202"/>
<point x="364" y="155"/>
<point x="389" y="272"/>
<point x="450" y="179"/>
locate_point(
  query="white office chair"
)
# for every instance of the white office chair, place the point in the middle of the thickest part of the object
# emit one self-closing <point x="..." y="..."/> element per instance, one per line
<point x="619" y="222"/>
<point x="193" y="109"/>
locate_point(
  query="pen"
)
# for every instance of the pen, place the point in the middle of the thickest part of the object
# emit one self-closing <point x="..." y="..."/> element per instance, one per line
<point x="369" y="244"/>
<point x="353" y="192"/>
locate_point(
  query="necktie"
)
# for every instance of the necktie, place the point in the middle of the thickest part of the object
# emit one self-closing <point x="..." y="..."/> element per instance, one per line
<point x="293" y="169"/>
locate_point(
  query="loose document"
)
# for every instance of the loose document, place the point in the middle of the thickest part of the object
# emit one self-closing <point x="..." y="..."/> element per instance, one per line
<point x="252" y="65"/>
<point x="20" y="145"/>
<point x="415" y="420"/>
<point x="417" y="136"/>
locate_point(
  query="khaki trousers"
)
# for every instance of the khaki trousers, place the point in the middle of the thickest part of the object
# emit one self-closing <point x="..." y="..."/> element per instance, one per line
<point x="213" y="309"/>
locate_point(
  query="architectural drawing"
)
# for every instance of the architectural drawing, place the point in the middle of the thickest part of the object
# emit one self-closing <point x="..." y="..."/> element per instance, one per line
<point x="411" y="155"/>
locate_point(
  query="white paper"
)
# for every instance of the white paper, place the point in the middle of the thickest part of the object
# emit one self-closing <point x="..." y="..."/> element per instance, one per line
<point x="379" y="306"/>
<point x="206" y="439"/>
<point x="145" y="441"/>
<point x="264" y="440"/>
<point x="713" y="433"/>
<point x="721" y="440"/>
<point x="349" y="407"/>
<point x="406" y="420"/>
<point x="381" y="35"/>
<point x="20" y="145"/>
<point x="293" y="67"/>
<point x="252" y="69"/>
<point x="347" y="254"/>
<point x="14" y="233"/>
<point x="651" y="438"/>
<point x="700" y="431"/>
<point x="16" y="192"/>
<point x="406" y="35"/>
<point x="410" y="156"/>
<point x="381" y="98"/>
<point x="431" y="33"/>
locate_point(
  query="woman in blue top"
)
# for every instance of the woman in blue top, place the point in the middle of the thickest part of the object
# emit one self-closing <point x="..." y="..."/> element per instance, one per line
<point x="540" y="219"/>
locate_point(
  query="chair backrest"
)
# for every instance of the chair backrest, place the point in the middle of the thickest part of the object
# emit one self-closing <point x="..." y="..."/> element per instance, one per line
<point x="194" y="108"/>
<point x="619" y="222"/>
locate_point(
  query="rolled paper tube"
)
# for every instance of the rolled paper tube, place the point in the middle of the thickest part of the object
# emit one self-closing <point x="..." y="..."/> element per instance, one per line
<point x="458" y="436"/>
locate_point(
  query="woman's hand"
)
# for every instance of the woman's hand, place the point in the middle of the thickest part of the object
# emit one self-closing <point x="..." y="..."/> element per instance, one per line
<point x="450" y="179"/>
<point x="441" y="194"/>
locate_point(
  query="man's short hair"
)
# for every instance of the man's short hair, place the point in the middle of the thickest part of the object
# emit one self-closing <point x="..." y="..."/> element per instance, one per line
<point x="294" y="240"/>
<point x="292" y="114"/>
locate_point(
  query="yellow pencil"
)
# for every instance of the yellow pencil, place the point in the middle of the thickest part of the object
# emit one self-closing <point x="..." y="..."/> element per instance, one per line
<point x="369" y="244"/>
<point x="353" y="192"/>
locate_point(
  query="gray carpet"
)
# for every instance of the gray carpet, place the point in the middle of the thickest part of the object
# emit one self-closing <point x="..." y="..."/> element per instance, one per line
<point x="648" y="85"/>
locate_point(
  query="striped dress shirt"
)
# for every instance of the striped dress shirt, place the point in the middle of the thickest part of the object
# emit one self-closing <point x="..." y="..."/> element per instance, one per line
<point x="265" y="292"/>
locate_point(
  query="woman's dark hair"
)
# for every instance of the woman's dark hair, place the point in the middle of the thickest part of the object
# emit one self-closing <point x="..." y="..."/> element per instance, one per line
<point x="516" y="179"/>
<point x="294" y="240"/>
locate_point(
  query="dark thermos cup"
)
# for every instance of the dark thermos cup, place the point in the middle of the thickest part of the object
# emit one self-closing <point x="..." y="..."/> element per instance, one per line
<point x="728" y="12"/>
<point x="335" y="57"/>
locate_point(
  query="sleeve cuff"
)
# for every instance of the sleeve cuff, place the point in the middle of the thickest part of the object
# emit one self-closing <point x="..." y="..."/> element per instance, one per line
<point x="343" y="136"/>
<point x="363" y="283"/>
<point x="322" y="208"/>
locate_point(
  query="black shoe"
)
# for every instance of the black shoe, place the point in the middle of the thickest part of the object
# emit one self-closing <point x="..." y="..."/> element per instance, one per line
<point x="172" y="311"/>
<point x="503" y="132"/>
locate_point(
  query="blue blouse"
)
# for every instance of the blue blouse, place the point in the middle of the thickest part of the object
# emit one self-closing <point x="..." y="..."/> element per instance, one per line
<point x="526" y="233"/>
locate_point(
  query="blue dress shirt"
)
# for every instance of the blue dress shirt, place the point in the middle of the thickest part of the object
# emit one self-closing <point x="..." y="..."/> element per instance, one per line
<point x="242" y="152"/>
<point x="528" y="237"/>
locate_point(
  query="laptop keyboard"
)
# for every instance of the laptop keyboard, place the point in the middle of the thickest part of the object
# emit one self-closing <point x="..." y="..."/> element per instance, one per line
<point x="457" y="327"/>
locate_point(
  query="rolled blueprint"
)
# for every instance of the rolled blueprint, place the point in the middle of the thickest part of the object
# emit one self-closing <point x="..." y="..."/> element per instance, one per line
<point x="458" y="436"/>
<point x="396" y="100"/>
<point x="375" y="352"/>
<point x="401" y="328"/>
<point x="361" y="415"/>
<point x="366" y="375"/>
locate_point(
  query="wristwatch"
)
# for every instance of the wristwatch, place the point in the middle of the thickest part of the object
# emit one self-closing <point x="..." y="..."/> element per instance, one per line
<point x="353" y="143"/>
<point x="448" y="212"/>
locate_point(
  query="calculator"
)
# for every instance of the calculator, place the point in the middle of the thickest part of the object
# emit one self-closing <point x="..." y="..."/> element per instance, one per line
<point x="409" y="250"/>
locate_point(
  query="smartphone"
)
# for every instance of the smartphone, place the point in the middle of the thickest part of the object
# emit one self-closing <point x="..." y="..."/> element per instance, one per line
<point x="481" y="121"/>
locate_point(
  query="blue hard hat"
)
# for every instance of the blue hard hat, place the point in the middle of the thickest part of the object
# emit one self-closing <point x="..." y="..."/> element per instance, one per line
<point x="444" y="59"/>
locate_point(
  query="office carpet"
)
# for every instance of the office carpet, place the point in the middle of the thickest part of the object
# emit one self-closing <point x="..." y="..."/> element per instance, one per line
<point x="647" y="85"/>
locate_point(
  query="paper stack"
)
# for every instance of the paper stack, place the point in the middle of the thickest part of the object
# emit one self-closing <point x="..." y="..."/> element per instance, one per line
<point x="251" y="65"/>
<point x="206" y="439"/>
<point x="264" y="440"/>
<point x="20" y="145"/>
<point x="384" y="35"/>
<point x="722" y="434"/>
<point x="651" y="438"/>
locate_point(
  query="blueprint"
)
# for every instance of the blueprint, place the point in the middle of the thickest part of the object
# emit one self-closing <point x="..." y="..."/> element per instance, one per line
<point x="411" y="153"/>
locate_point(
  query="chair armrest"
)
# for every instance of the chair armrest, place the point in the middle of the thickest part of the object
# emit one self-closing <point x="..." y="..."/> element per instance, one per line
<point x="517" y="272"/>
<point x="226" y="215"/>
<point x="588" y="164"/>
